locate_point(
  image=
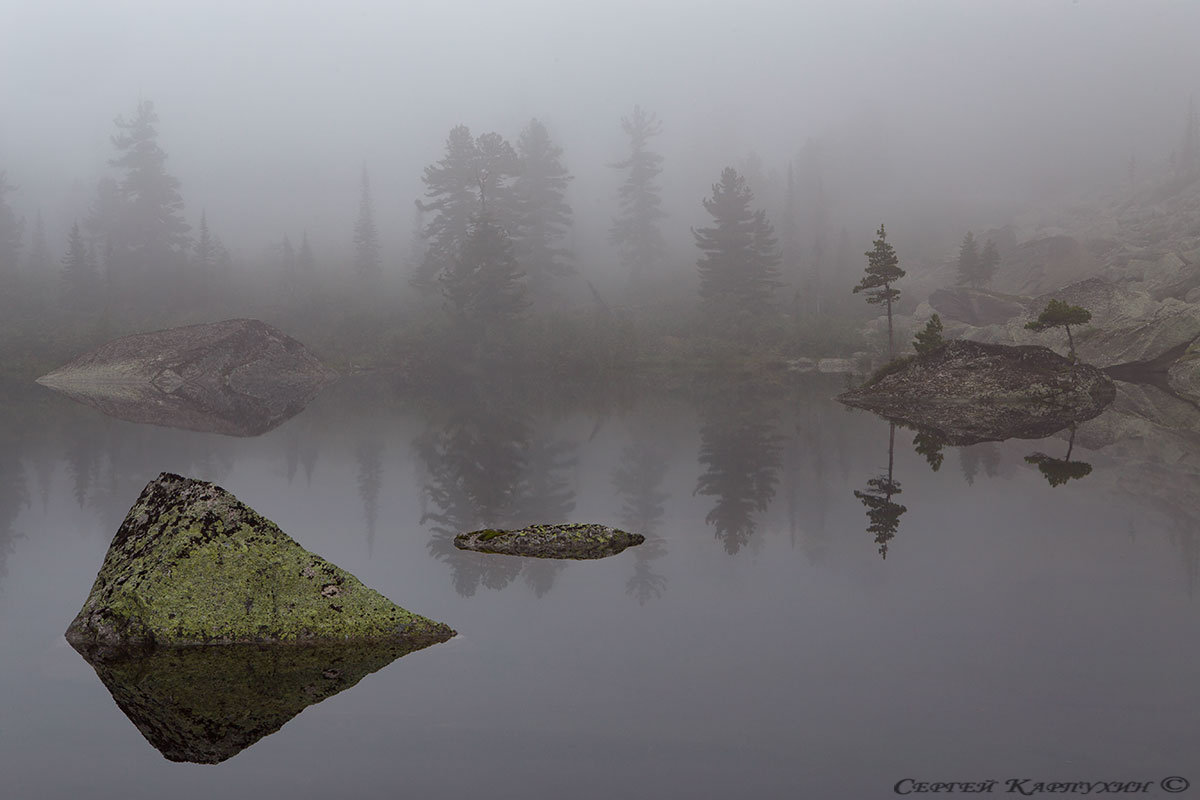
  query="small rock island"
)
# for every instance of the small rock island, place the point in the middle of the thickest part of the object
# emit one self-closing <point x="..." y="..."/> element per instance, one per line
<point x="192" y="565"/>
<point x="973" y="392"/>
<point x="239" y="377"/>
<point x="576" y="540"/>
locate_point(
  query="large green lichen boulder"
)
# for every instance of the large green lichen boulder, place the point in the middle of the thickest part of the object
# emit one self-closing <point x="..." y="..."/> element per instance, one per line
<point x="193" y="565"/>
<point x="574" y="540"/>
<point x="206" y="704"/>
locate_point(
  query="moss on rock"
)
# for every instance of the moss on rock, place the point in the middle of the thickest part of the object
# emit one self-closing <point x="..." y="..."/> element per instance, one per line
<point x="574" y="540"/>
<point x="193" y="565"/>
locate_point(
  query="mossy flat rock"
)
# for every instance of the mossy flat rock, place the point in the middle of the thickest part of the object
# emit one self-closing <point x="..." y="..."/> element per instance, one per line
<point x="192" y="565"/>
<point x="206" y="704"/>
<point x="576" y="540"/>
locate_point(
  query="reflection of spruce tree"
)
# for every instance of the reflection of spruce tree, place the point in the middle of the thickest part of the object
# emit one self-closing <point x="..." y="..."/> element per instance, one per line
<point x="884" y="515"/>
<point x="638" y="481"/>
<point x="83" y="453"/>
<point x="484" y="470"/>
<point x="14" y="495"/>
<point x="741" y="453"/>
<point x="968" y="459"/>
<point x="1058" y="471"/>
<point x="369" y="455"/>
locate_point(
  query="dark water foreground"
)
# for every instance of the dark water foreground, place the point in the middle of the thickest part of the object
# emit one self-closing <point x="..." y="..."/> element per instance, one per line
<point x="1032" y="618"/>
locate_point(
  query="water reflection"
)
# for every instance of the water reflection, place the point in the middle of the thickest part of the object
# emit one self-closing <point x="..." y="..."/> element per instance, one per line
<point x="883" y="514"/>
<point x="485" y="468"/>
<point x="369" y="456"/>
<point x="206" y="704"/>
<point x="637" y="481"/>
<point x="741" y="453"/>
<point x="1058" y="471"/>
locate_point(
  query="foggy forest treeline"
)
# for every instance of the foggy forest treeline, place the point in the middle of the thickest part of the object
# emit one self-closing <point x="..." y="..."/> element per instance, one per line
<point x="490" y="270"/>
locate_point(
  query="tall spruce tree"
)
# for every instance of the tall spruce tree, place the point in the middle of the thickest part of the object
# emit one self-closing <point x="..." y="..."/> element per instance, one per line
<point x="989" y="262"/>
<point x="635" y="230"/>
<point x="150" y="232"/>
<point x="40" y="260"/>
<point x="205" y="251"/>
<point x="367" y="261"/>
<point x="968" y="262"/>
<point x="543" y="217"/>
<point x="78" y="273"/>
<point x="11" y="230"/>
<point x="739" y="267"/>
<point x="883" y="269"/>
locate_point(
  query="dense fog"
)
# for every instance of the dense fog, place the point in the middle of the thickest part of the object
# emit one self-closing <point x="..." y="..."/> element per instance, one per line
<point x="932" y="117"/>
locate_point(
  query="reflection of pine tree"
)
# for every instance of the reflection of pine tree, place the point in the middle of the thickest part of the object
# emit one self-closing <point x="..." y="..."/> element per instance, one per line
<point x="884" y="515"/>
<point x="741" y="453"/>
<point x="540" y="574"/>
<point x="638" y="481"/>
<point x="929" y="443"/>
<point x="1058" y="471"/>
<point x="369" y="455"/>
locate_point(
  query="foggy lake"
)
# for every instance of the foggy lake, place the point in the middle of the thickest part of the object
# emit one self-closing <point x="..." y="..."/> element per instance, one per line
<point x="757" y="645"/>
<point x="392" y="272"/>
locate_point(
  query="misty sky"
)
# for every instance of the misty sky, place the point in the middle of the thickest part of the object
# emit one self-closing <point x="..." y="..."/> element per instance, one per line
<point x="268" y="109"/>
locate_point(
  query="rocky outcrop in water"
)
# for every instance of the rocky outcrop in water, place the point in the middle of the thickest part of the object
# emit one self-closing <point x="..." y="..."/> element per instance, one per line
<point x="207" y="704"/>
<point x="193" y="565"/>
<point x="971" y="392"/>
<point x="239" y="377"/>
<point x="578" y="541"/>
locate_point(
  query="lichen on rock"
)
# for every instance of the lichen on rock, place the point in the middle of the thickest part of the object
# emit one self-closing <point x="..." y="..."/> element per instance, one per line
<point x="574" y="540"/>
<point x="192" y="565"/>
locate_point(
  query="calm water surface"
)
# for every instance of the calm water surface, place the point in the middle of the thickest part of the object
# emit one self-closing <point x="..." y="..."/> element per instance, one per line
<point x="758" y="645"/>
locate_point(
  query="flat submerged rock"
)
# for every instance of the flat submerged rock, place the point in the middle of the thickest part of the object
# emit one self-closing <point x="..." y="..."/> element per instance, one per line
<point x="575" y="540"/>
<point x="192" y="565"/>
<point x="971" y="392"/>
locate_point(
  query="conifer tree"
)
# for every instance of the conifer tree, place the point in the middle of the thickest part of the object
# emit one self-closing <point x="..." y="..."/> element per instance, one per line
<point x="150" y="231"/>
<point x="968" y="262"/>
<point x="989" y="262"/>
<point x="883" y="269"/>
<point x="1061" y="314"/>
<point x="472" y="177"/>
<point x="739" y="267"/>
<point x="11" y="230"/>
<point x="930" y="338"/>
<point x="306" y="262"/>
<point x="78" y="272"/>
<point x="543" y="217"/>
<point x="485" y="288"/>
<point x="40" y="260"/>
<point x="367" y="263"/>
<point x="205" y="250"/>
<point x="635" y="230"/>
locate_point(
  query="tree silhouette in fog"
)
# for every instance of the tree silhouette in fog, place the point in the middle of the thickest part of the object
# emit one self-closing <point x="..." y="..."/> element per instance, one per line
<point x="883" y="514"/>
<point x="543" y="217"/>
<point x="739" y="268"/>
<point x="883" y="269"/>
<point x="149" y="236"/>
<point x="638" y="482"/>
<point x="368" y="264"/>
<point x="473" y="178"/>
<point x="484" y="287"/>
<point x="635" y="230"/>
<point x="12" y="229"/>
<point x="742" y="454"/>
